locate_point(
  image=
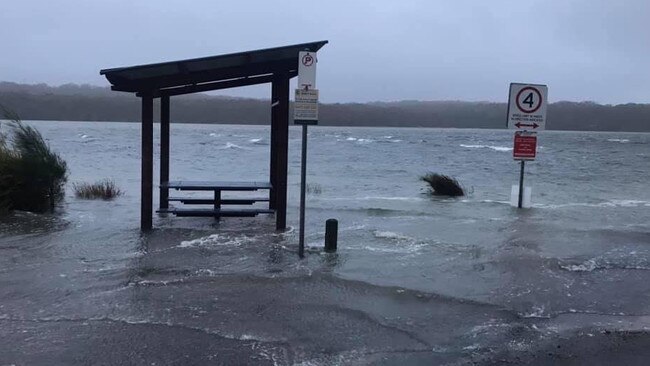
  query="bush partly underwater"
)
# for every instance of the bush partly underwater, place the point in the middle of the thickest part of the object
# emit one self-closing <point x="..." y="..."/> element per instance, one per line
<point x="32" y="176"/>
<point x="443" y="185"/>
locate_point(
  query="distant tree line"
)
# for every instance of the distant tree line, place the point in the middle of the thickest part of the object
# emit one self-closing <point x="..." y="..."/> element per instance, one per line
<point x="72" y="102"/>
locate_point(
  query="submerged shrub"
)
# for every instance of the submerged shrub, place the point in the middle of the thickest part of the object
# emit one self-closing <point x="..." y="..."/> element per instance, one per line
<point x="104" y="189"/>
<point x="442" y="185"/>
<point x="32" y="177"/>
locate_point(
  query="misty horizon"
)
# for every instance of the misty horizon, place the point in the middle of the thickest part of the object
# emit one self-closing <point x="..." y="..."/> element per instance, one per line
<point x="4" y="83"/>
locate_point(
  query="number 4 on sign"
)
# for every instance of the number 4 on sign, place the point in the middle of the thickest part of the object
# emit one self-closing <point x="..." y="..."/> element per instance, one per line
<point x="529" y="100"/>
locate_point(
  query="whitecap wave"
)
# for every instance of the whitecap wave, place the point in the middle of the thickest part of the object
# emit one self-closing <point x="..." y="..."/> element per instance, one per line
<point x="396" y="249"/>
<point x="619" y="258"/>
<point x="359" y="140"/>
<point x="258" y="141"/>
<point x="622" y="141"/>
<point x="230" y="145"/>
<point x="586" y="266"/>
<point x="83" y="138"/>
<point x="217" y="240"/>
<point x="391" y="235"/>
<point x="483" y="201"/>
<point x="377" y="198"/>
<point x="353" y="228"/>
<point x="495" y="148"/>
<point x="538" y="311"/>
<point x="606" y="204"/>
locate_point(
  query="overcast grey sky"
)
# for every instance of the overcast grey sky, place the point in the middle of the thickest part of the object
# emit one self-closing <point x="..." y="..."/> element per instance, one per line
<point x="379" y="50"/>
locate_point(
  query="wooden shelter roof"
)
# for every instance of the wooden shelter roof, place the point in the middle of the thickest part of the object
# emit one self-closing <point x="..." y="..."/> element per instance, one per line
<point x="209" y="73"/>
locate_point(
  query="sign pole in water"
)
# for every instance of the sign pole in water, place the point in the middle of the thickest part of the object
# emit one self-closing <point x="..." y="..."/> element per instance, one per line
<point x="521" y="184"/>
<point x="305" y="113"/>
<point x="527" y="105"/>
<point x="525" y="148"/>
<point x="303" y="188"/>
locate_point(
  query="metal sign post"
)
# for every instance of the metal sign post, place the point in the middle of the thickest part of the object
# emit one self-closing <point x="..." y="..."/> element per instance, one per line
<point x="525" y="148"/>
<point x="521" y="184"/>
<point x="304" y="109"/>
<point x="527" y="105"/>
<point x="305" y="113"/>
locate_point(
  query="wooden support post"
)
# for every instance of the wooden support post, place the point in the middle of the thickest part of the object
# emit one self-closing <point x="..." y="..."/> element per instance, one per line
<point x="282" y="150"/>
<point x="146" y="184"/>
<point x="164" y="151"/>
<point x="273" y="164"/>
<point x="217" y="204"/>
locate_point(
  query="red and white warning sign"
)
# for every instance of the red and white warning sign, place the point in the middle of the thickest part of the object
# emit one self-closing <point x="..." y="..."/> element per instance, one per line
<point x="527" y="107"/>
<point x="307" y="70"/>
<point x="525" y="147"/>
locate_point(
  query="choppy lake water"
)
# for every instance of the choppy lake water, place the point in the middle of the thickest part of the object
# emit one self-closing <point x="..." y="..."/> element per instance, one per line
<point x="417" y="279"/>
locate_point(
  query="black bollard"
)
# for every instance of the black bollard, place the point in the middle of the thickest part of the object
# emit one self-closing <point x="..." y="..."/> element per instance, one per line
<point x="331" y="235"/>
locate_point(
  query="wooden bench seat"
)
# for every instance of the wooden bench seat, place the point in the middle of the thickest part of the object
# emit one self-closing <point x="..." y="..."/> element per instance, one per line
<point x="210" y="201"/>
<point x="218" y="188"/>
<point x="213" y="212"/>
<point x="187" y="185"/>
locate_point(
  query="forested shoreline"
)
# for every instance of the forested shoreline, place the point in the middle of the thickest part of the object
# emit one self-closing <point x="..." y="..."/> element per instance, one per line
<point x="72" y="102"/>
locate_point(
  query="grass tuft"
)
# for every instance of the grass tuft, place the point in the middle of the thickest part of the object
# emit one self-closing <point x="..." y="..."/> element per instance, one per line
<point x="32" y="177"/>
<point x="104" y="189"/>
<point x="442" y="185"/>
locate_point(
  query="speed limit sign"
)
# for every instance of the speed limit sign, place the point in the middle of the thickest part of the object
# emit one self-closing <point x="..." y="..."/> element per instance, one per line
<point x="527" y="107"/>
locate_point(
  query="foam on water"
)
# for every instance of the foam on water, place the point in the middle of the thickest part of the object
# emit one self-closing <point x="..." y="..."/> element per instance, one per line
<point x="230" y="145"/>
<point x="482" y="201"/>
<point x="623" y="141"/>
<point x="606" y="204"/>
<point x="217" y="240"/>
<point x="84" y="138"/>
<point x="359" y="140"/>
<point x="495" y="148"/>
<point x="537" y="311"/>
<point x="586" y="266"/>
<point x="619" y="258"/>
<point x="257" y="141"/>
<point x="377" y="198"/>
<point x="401" y="250"/>
<point x="391" y="235"/>
<point x="389" y="139"/>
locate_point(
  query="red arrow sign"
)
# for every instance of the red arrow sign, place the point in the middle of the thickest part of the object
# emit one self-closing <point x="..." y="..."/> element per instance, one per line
<point x="520" y="125"/>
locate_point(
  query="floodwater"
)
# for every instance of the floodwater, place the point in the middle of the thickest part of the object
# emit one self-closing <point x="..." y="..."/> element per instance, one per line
<point x="416" y="280"/>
